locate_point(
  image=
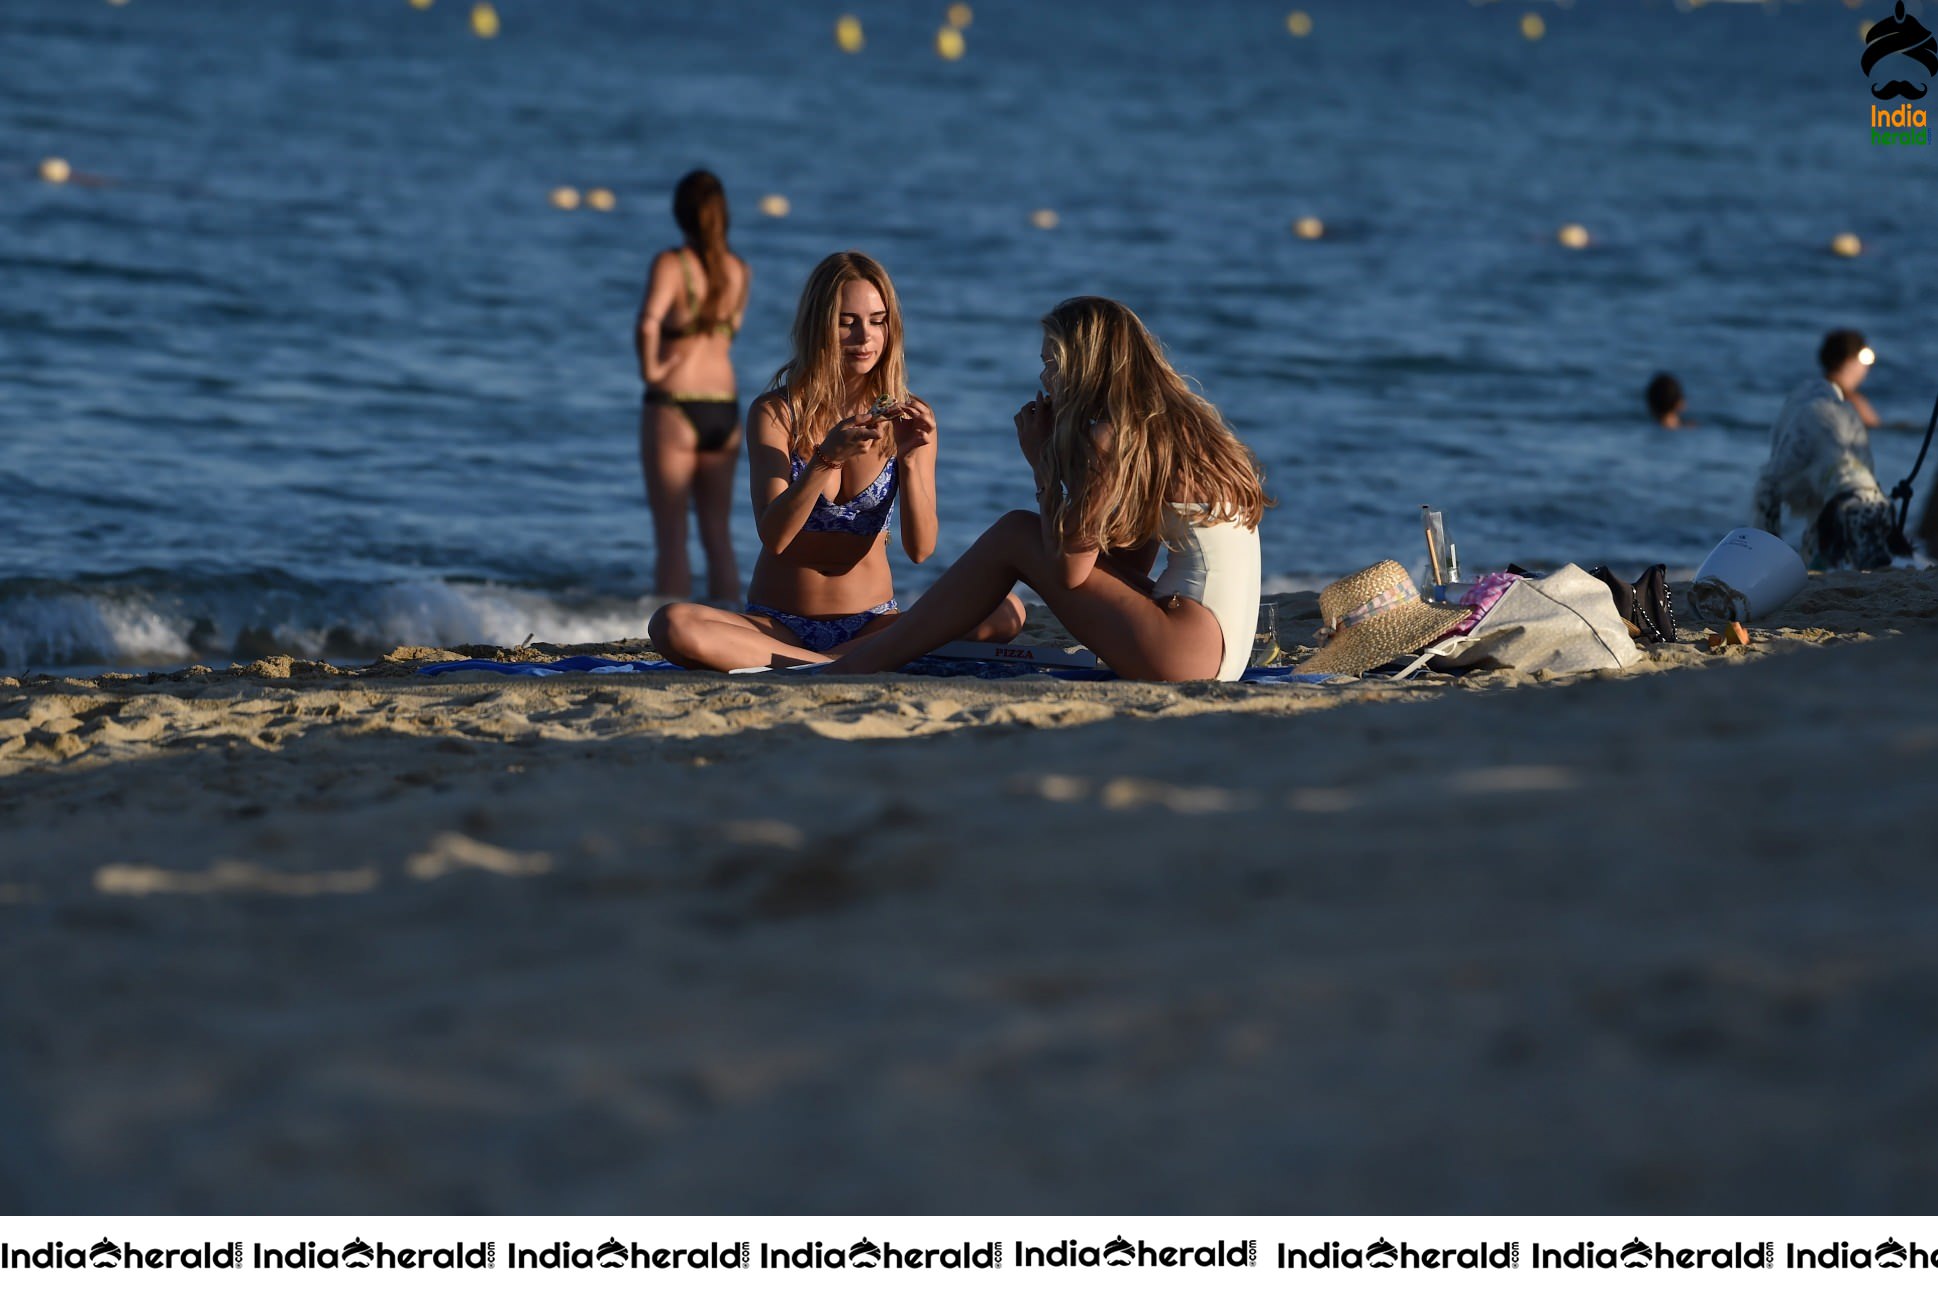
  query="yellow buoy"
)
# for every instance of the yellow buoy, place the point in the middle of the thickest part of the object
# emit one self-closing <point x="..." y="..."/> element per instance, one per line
<point x="117" y="3"/>
<point x="420" y="4"/>
<point x="1045" y="218"/>
<point x="961" y="15"/>
<point x="55" y="170"/>
<point x="1532" y="27"/>
<point x="949" y="44"/>
<point x="1848" y="245"/>
<point x="484" y="21"/>
<point x="1572" y="236"/>
<point x="1299" y="23"/>
<point x="600" y="199"/>
<point x="1309" y="227"/>
<point x="847" y="34"/>
<point x="775" y="206"/>
<point x="565" y="197"/>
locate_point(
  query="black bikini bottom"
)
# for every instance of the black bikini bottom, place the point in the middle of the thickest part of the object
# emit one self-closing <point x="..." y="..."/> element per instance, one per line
<point x="714" y="417"/>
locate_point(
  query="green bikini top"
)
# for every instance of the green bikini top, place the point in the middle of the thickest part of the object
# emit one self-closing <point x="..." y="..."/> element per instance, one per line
<point x="696" y="325"/>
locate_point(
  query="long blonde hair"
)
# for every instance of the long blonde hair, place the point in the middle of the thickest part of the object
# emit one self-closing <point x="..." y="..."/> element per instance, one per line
<point x="700" y="209"/>
<point x="811" y="381"/>
<point x="1167" y="441"/>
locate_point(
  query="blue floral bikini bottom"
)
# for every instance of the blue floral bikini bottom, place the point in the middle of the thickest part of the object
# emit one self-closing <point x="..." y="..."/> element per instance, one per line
<point x="823" y="634"/>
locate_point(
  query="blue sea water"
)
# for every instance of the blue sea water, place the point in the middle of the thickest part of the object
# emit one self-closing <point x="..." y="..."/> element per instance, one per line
<point x="307" y="361"/>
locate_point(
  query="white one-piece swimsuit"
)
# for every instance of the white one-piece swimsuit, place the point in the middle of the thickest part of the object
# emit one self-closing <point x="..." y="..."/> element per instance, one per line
<point x="1216" y="565"/>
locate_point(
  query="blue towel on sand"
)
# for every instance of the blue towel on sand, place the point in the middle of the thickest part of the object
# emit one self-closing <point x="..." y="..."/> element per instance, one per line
<point x="591" y="663"/>
<point x="550" y="667"/>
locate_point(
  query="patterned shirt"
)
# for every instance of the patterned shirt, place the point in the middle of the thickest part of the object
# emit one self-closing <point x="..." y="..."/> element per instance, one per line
<point x="1819" y="450"/>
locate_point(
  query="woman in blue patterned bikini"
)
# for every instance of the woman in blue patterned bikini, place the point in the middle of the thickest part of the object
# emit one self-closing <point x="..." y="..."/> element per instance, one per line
<point x="835" y="442"/>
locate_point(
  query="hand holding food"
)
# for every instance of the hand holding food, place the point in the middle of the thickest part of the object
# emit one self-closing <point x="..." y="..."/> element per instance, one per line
<point x="850" y="437"/>
<point x="914" y="423"/>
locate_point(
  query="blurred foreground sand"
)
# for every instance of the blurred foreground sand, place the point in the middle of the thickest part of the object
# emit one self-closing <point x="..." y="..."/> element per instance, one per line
<point x="287" y="939"/>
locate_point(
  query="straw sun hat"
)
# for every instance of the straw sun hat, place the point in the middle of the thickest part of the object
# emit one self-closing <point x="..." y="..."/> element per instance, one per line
<point x="1373" y="617"/>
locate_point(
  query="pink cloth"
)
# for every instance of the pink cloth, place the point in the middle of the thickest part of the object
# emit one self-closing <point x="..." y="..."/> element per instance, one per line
<point x="1481" y="596"/>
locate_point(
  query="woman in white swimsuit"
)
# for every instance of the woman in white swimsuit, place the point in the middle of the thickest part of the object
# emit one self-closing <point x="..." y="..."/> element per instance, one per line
<point x="1126" y="459"/>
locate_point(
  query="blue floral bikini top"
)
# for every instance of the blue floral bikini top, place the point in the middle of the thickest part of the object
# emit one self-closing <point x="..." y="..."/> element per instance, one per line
<point x="867" y="512"/>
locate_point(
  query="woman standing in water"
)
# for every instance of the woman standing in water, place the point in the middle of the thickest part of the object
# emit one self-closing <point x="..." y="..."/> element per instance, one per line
<point x="837" y="440"/>
<point x="1126" y="458"/>
<point x="689" y="427"/>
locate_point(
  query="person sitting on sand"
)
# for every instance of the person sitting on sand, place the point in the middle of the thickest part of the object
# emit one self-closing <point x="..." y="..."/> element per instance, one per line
<point x="837" y="439"/>
<point x="689" y="425"/>
<point x="1820" y="466"/>
<point x="1126" y="458"/>
<point x="1665" y="400"/>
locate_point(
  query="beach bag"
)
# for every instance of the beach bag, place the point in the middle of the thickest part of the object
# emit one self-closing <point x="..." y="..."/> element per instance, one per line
<point x="1644" y="603"/>
<point x="1559" y="624"/>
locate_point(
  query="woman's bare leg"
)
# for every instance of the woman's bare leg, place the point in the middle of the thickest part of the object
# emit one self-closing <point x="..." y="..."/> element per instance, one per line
<point x="668" y="457"/>
<point x="1138" y="637"/>
<point x="713" y="503"/>
<point x="700" y="636"/>
<point x="1002" y="626"/>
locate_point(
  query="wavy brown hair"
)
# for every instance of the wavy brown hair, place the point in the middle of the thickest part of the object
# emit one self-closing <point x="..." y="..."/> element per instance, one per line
<point x="700" y="209"/>
<point x="1166" y="440"/>
<point x="811" y="381"/>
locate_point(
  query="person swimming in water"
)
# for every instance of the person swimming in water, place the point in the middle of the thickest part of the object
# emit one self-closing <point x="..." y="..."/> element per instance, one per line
<point x="689" y="423"/>
<point x="837" y="441"/>
<point x="1127" y="458"/>
<point x="1666" y="402"/>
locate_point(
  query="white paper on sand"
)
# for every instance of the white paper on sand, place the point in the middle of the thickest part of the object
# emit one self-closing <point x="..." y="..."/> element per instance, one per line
<point x="1033" y="655"/>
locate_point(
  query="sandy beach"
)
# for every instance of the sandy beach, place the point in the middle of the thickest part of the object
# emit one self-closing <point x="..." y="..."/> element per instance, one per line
<point x="295" y="938"/>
